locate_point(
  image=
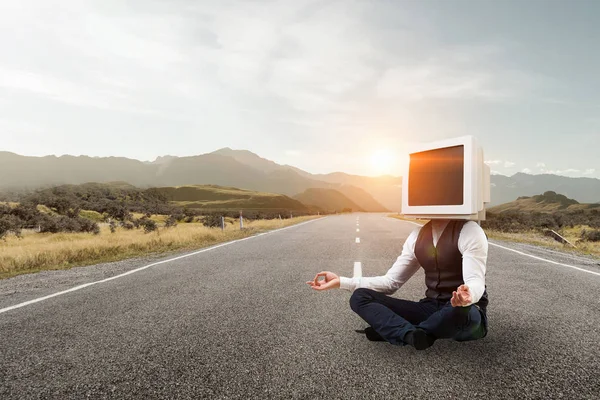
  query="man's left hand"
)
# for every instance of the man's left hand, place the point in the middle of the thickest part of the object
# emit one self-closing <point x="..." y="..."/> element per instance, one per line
<point x="461" y="297"/>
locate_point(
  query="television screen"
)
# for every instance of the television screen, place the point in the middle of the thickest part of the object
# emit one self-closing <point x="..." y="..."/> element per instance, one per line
<point x="436" y="177"/>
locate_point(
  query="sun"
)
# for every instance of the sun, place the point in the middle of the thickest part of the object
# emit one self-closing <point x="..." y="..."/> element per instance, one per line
<point x="382" y="162"/>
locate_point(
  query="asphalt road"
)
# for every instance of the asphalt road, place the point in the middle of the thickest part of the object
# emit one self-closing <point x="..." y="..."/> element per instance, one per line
<point x="239" y="322"/>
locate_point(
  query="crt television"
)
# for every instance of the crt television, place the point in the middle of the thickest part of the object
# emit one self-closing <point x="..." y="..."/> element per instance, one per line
<point x="447" y="179"/>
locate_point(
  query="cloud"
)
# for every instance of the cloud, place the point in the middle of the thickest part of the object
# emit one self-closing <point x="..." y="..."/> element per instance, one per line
<point x="526" y="170"/>
<point x="505" y="164"/>
<point x="568" y="171"/>
<point x="541" y="165"/>
<point x="589" y="171"/>
<point x="454" y="72"/>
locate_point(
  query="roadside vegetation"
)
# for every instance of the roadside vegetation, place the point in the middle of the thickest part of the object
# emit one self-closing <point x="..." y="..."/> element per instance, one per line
<point x="530" y="220"/>
<point x="74" y="225"/>
<point x="33" y="252"/>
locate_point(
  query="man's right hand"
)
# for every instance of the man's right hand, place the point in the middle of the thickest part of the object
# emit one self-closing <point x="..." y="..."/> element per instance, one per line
<point x="330" y="281"/>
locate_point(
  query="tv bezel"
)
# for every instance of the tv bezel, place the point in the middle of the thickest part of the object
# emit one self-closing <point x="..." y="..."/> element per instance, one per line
<point x="471" y="182"/>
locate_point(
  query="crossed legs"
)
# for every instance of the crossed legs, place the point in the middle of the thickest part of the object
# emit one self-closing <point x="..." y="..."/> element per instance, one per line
<point x="393" y="319"/>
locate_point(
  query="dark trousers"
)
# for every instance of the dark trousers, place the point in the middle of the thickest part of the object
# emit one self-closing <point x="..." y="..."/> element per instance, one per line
<point x="393" y="318"/>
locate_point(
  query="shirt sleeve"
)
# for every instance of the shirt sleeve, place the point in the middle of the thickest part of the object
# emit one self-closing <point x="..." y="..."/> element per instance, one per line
<point x="405" y="267"/>
<point x="473" y="245"/>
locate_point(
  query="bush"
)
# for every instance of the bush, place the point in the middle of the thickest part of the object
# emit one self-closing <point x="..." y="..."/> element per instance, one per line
<point x="211" y="221"/>
<point x="9" y="223"/>
<point x="171" y="221"/>
<point x="591" y="236"/>
<point x="148" y="224"/>
<point x="127" y="225"/>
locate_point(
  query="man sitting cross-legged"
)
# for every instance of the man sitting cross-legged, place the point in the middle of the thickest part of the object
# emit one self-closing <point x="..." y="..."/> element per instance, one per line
<point x="453" y="255"/>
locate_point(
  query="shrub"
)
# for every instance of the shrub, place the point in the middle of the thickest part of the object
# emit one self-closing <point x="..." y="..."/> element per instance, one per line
<point x="171" y="222"/>
<point x="591" y="236"/>
<point x="211" y="221"/>
<point x="148" y="224"/>
<point x="9" y="223"/>
<point x="127" y="225"/>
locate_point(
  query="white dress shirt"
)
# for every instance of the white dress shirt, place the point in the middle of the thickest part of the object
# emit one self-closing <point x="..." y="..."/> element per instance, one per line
<point x="472" y="243"/>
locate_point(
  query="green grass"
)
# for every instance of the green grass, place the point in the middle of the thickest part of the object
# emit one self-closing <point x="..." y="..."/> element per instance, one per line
<point x="91" y="215"/>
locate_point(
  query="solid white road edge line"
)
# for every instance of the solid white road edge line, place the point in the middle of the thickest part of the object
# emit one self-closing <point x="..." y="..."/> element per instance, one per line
<point x="532" y="256"/>
<point x="357" y="270"/>
<point x="544" y="259"/>
<point x="133" y="271"/>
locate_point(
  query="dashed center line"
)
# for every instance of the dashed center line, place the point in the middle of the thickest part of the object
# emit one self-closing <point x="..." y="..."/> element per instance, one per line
<point x="357" y="230"/>
<point x="357" y="269"/>
<point x="357" y="240"/>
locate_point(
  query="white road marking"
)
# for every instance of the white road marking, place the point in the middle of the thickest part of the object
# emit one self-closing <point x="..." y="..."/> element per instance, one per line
<point x="357" y="230"/>
<point x="543" y="259"/>
<point x="133" y="271"/>
<point x="357" y="270"/>
<point x="357" y="240"/>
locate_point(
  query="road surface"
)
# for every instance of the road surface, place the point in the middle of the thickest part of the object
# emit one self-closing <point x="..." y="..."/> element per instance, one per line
<point x="239" y="321"/>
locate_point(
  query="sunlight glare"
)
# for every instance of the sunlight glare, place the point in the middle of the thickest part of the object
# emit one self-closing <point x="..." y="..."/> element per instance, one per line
<point x="382" y="162"/>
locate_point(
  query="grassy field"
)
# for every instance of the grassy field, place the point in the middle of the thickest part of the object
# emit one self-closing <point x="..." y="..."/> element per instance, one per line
<point x="538" y="239"/>
<point x="46" y="251"/>
<point x="227" y="198"/>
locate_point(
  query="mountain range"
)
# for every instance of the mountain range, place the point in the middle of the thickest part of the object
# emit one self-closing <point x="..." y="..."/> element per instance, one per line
<point x="246" y="170"/>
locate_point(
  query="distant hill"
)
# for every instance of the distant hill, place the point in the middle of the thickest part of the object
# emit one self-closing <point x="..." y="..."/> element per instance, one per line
<point x="327" y="199"/>
<point x="227" y="198"/>
<point x="371" y="193"/>
<point x="362" y="199"/>
<point x="505" y="189"/>
<point x="549" y="202"/>
<point x="386" y="190"/>
<point x="22" y="172"/>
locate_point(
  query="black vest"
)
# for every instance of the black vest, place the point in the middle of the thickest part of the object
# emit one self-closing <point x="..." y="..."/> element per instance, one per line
<point x="442" y="263"/>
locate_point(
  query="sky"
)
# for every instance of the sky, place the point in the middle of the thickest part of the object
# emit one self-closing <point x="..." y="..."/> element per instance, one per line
<point x="322" y="85"/>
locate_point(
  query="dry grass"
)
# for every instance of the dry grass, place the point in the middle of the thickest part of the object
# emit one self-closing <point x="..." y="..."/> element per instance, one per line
<point x="44" y="251"/>
<point x="416" y="221"/>
<point x="158" y="218"/>
<point x="538" y="239"/>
